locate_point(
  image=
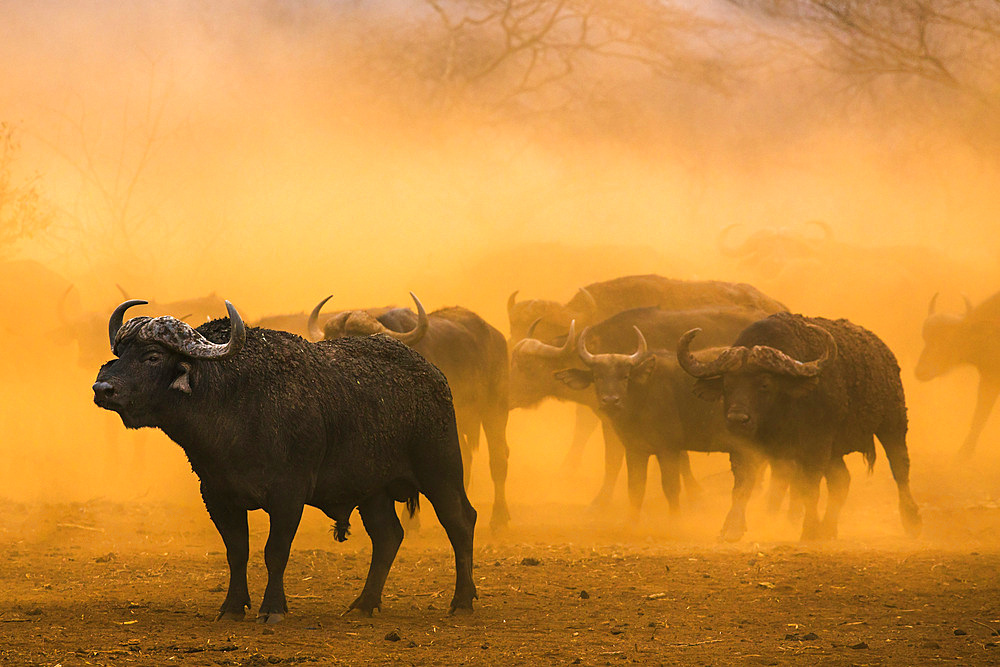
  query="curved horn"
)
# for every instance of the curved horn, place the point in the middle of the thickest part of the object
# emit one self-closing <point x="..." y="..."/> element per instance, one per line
<point x="315" y="332"/>
<point x="197" y="346"/>
<point x="511" y="302"/>
<point x="824" y="227"/>
<point x="589" y="300"/>
<point x="531" y="329"/>
<point x="411" y="337"/>
<point x="726" y="249"/>
<point x="118" y="316"/>
<point x="125" y="295"/>
<point x="529" y="345"/>
<point x="581" y="349"/>
<point x="968" y="305"/>
<point x="933" y="304"/>
<point x="771" y="359"/>
<point x="729" y="359"/>
<point x="642" y="349"/>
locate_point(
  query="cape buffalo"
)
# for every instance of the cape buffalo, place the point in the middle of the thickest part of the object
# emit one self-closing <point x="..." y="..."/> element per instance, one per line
<point x="599" y="301"/>
<point x="651" y="404"/>
<point x="809" y="391"/>
<point x="470" y="353"/>
<point x="953" y="340"/>
<point x="271" y="421"/>
<point x="533" y="364"/>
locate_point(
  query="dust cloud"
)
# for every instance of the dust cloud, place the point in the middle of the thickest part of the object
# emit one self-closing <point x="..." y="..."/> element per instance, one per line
<point x="279" y="152"/>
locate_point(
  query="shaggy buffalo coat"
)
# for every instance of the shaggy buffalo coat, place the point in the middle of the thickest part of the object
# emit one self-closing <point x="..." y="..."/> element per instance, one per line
<point x="338" y="425"/>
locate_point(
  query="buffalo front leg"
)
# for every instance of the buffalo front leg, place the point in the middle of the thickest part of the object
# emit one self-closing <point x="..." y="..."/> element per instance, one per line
<point x="637" y="467"/>
<point x="378" y="513"/>
<point x="614" y="453"/>
<point x="691" y="486"/>
<point x="838" y="481"/>
<point x="806" y="485"/>
<point x="746" y="468"/>
<point x="671" y="463"/>
<point x="986" y="397"/>
<point x="284" y="514"/>
<point x="231" y="523"/>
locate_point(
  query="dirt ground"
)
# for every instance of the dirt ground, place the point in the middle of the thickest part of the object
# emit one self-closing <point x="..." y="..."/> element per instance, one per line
<point x="109" y="582"/>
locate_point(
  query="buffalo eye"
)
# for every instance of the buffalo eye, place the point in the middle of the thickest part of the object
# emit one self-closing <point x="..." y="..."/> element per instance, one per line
<point x="152" y="358"/>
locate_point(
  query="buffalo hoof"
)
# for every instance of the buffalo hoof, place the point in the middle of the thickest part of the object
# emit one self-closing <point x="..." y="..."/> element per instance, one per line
<point x="731" y="534"/>
<point x="965" y="453"/>
<point x="461" y="611"/>
<point x="363" y="607"/>
<point x="500" y="519"/>
<point x="231" y="615"/>
<point x="912" y="523"/>
<point x="270" y="619"/>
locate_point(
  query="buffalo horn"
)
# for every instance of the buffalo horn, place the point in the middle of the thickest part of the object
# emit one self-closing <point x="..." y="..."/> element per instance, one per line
<point x="933" y="304"/>
<point x="118" y="316"/>
<point x="315" y="332"/>
<point x="512" y="302"/>
<point x="537" y="348"/>
<point x="729" y="359"/>
<point x="198" y="347"/>
<point x="414" y="336"/>
<point x="581" y="349"/>
<point x="773" y="360"/>
<point x="641" y="350"/>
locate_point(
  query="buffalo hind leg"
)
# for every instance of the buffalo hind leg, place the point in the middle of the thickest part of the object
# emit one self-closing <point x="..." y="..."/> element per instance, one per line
<point x="806" y="485"/>
<point x="231" y="523"/>
<point x="378" y="514"/>
<point x="838" y="482"/>
<point x="584" y="425"/>
<point x="495" y="426"/>
<point x="458" y="517"/>
<point x="691" y="486"/>
<point x="284" y="515"/>
<point x="894" y="443"/>
<point x="986" y="397"/>
<point x="468" y="440"/>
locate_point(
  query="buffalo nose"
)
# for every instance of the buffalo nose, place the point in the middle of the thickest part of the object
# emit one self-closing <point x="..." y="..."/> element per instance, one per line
<point x="738" y="417"/>
<point x="609" y="401"/>
<point x="105" y="389"/>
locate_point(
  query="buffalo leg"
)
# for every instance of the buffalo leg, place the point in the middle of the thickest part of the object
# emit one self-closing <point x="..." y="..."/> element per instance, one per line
<point x="614" y="453"/>
<point x="746" y="467"/>
<point x="989" y="389"/>
<point x="378" y="514"/>
<point x="838" y="481"/>
<point x="458" y="517"/>
<point x="284" y="515"/>
<point x="637" y="466"/>
<point x="468" y="440"/>
<point x="671" y="463"/>
<point x="808" y="476"/>
<point x="495" y="426"/>
<point x="584" y="425"/>
<point x="231" y="523"/>
<point x="691" y="486"/>
<point x="894" y="442"/>
<point x="782" y="472"/>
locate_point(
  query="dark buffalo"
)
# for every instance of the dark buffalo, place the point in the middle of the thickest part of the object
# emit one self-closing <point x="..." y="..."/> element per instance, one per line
<point x="533" y="364"/>
<point x="651" y="404"/>
<point x="955" y="340"/>
<point x="599" y="301"/>
<point x="808" y="391"/>
<point x="470" y="353"/>
<point x="271" y="421"/>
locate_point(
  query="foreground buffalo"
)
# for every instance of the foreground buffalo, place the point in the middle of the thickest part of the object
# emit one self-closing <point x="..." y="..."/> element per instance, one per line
<point x="271" y="421"/>
<point x="954" y="340"/>
<point x="471" y="354"/>
<point x="809" y="391"/>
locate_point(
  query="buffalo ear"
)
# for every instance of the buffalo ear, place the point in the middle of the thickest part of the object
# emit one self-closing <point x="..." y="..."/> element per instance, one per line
<point x="708" y="389"/>
<point x="183" y="381"/>
<point x="643" y="370"/>
<point x="799" y="387"/>
<point x="574" y="378"/>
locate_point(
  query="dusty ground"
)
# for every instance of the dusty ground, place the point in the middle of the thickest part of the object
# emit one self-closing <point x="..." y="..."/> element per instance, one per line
<point x="138" y="583"/>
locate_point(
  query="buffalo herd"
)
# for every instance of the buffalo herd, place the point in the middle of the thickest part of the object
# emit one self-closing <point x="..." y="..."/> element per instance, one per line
<point x="363" y="409"/>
